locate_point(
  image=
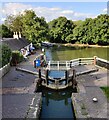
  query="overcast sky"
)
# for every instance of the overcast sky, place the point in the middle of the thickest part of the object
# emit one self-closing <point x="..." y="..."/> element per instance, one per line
<point x="51" y="10"/>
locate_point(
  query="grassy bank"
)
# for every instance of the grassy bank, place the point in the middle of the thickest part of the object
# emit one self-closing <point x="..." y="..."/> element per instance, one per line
<point x="84" y="45"/>
<point x="106" y="91"/>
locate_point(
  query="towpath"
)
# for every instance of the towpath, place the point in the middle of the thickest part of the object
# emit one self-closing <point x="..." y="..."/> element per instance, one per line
<point x="89" y="88"/>
<point x="18" y="90"/>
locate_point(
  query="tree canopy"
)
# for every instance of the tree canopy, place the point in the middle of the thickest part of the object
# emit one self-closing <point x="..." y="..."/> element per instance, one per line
<point x="93" y="31"/>
<point x="60" y="30"/>
<point x="33" y="28"/>
<point x="5" y="31"/>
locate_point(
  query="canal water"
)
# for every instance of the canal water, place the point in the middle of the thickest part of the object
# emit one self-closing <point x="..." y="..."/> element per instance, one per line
<point x="69" y="53"/>
<point x="56" y="104"/>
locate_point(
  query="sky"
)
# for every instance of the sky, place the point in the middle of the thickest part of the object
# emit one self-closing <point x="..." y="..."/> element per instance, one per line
<point x="79" y="10"/>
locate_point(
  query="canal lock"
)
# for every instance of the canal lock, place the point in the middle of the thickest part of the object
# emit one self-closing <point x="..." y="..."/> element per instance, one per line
<point x="56" y="103"/>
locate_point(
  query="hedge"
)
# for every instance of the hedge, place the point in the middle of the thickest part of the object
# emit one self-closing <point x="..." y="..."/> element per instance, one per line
<point x="5" y="55"/>
<point x="17" y="57"/>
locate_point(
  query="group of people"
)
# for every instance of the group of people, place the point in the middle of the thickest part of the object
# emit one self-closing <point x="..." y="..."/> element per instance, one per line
<point x="28" y="50"/>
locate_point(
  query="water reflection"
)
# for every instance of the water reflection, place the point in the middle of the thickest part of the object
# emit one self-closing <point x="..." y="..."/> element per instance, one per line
<point x="56" y="74"/>
<point x="68" y="53"/>
<point x="57" y="104"/>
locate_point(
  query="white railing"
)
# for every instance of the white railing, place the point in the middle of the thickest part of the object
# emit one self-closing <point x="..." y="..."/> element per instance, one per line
<point x="103" y="60"/>
<point x="59" y="65"/>
<point x="4" y="70"/>
<point x="63" y="65"/>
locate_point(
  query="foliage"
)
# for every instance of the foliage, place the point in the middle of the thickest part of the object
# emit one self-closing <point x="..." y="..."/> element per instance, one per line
<point x="5" y="31"/>
<point x="33" y="28"/>
<point x="60" y="28"/>
<point x="5" y="55"/>
<point x="93" y="31"/>
<point x="17" y="57"/>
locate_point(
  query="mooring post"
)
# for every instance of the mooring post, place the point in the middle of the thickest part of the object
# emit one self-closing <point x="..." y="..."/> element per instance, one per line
<point x="94" y="60"/>
<point x="66" y="77"/>
<point x="47" y="77"/>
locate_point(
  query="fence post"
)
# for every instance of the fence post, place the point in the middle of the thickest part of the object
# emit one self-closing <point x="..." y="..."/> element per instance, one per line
<point x="95" y="60"/>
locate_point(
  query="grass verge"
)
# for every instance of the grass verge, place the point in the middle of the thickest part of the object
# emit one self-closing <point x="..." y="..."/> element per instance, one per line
<point x="106" y="91"/>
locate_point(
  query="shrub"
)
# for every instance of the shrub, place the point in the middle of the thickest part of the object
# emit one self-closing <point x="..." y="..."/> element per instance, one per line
<point x="5" y="55"/>
<point x="17" y="57"/>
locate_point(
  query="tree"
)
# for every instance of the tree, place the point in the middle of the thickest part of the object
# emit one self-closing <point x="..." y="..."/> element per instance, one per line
<point x="60" y="28"/>
<point x="35" y="29"/>
<point x="5" y="32"/>
<point x="93" y="31"/>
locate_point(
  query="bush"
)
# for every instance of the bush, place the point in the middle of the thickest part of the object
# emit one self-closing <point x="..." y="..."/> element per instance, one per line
<point x="5" y="55"/>
<point x="37" y="46"/>
<point x="17" y="57"/>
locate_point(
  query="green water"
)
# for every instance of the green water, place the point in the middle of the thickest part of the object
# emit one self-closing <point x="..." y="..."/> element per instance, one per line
<point x="57" y="105"/>
<point x="69" y="53"/>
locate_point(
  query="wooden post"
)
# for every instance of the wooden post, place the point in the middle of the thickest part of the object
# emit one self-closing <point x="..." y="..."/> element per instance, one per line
<point x="39" y="73"/>
<point x="56" y="83"/>
<point x="66" y="77"/>
<point x="79" y="61"/>
<point x="47" y="77"/>
<point x="94" y="60"/>
<point x="70" y="64"/>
